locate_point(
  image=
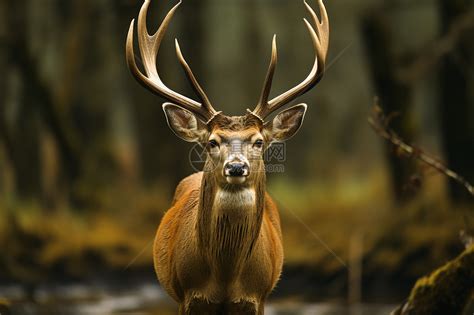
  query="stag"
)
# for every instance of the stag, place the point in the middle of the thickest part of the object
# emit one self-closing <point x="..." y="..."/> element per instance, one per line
<point x="218" y="249"/>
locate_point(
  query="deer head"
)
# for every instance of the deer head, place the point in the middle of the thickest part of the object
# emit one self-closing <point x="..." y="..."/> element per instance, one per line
<point x="235" y="145"/>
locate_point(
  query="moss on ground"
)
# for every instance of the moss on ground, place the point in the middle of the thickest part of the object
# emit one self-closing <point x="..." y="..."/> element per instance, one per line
<point x="445" y="291"/>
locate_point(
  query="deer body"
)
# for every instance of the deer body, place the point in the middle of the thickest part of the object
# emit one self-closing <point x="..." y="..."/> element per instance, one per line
<point x="215" y="259"/>
<point x="218" y="248"/>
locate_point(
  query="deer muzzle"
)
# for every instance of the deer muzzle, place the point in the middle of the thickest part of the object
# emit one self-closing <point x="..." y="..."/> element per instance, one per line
<point x="237" y="166"/>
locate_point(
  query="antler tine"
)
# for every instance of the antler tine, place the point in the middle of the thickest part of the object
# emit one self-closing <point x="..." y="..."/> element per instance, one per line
<point x="322" y="31"/>
<point x="149" y="47"/>
<point x="206" y="104"/>
<point x="320" y="38"/>
<point x="267" y="86"/>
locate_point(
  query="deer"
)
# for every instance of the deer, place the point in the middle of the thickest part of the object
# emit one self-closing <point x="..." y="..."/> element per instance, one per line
<point x="218" y="249"/>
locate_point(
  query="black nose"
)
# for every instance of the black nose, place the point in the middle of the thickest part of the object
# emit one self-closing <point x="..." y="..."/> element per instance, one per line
<point x="236" y="169"/>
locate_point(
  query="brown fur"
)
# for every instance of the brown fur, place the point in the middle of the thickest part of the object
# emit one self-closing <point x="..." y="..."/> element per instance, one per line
<point x="220" y="255"/>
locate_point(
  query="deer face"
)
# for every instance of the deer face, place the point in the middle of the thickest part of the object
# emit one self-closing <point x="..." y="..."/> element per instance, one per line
<point x="234" y="145"/>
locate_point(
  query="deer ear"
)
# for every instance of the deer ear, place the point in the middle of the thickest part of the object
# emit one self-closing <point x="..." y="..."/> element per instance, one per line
<point x="185" y="124"/>
<point x="286" y="124"/>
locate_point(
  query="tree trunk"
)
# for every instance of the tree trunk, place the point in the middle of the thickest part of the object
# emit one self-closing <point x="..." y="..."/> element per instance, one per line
<point x="20" y="134"/>
<point x="395" y="96"/>
<point x="456" y="107"/>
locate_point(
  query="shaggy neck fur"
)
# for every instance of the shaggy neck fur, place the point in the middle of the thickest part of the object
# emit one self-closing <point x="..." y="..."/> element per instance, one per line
<point x="229" y="222"/>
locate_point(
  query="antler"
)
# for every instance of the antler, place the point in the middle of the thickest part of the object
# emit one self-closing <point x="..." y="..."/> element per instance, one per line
<point x="320" y="38"/>
<point x="149" y="47"/>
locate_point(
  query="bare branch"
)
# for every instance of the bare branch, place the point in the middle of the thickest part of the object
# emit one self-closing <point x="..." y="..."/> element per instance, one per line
<point x="380" y="123"/>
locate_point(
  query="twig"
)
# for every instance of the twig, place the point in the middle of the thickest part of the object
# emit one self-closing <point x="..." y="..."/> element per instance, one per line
<point x="380" y="123"/>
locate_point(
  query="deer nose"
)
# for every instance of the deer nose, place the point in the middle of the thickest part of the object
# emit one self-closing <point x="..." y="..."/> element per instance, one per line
<point x="236" y="169"/>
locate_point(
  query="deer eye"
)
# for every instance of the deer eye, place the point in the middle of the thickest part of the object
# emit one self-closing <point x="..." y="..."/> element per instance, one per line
<point x="213" y="143"/>
<point x="258" y="144"/>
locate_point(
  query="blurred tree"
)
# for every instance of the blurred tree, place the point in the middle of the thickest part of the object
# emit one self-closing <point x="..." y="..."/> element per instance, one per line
<point x="57" y="95"/>
<point x="395" y="95"/>
<point x="19" y="126"/>
<point x="64" y="95"/>
<point x="85" y="97"/>
<point x="5" y="141"/>
<point x="456" y="105"/>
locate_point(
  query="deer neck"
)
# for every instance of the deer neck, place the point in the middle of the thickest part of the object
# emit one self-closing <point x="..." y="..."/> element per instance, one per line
<point x="229" y="220"/>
